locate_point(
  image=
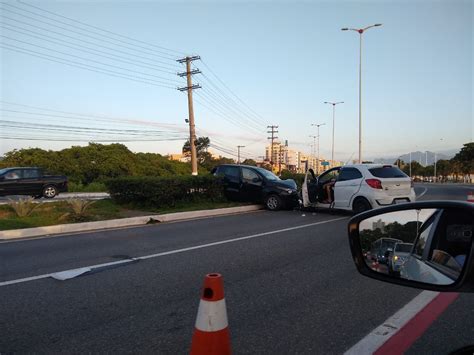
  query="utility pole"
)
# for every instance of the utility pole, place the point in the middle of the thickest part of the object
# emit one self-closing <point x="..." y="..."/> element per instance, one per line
<point x="189" y="88"/>
<point x="238" y="154"/>
<point x="319" y="138"/>
<point x="279" y="162"/>
<point x="273" y="130"/>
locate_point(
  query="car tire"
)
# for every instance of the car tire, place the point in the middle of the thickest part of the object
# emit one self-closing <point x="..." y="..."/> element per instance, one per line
<point x="50" y="191"/>
<point x="361" y="205"/>
<point x="273" y="202"/>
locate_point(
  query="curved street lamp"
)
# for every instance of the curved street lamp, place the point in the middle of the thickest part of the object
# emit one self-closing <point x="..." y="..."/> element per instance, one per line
<point x="360" y="31"/>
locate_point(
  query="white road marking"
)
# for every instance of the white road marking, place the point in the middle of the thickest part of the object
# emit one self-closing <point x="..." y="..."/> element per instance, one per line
<point x="424" y="192"/>
<point x="176" y="251"/>
<point x="377" y="337"/>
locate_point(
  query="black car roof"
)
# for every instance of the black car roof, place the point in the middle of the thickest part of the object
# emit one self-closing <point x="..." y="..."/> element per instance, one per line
<point x="244" y="166"/>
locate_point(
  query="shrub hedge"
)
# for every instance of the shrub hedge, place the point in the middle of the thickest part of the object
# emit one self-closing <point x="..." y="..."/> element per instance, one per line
<point x="166" y="191"/>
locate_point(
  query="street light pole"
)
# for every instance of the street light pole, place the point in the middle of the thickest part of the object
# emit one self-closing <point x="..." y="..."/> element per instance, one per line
<point x="319" y="138"/>
<point x="313" y="150"/>
<point x="360" y="31"/>
<point x="333" y="123"/>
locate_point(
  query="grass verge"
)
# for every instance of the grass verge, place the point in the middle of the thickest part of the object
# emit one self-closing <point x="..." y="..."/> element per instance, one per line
<point x="60" y="212"/>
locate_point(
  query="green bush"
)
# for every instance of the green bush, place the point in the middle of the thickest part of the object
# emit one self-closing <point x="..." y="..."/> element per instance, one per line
<point x="161" y="192"/>
<point x="92" y="187"/>
<point x="299" y="178"/>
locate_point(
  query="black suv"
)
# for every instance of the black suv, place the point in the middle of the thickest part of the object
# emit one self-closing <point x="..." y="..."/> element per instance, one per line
<point x="253" y="184"/>
<point x="30" y="181"/>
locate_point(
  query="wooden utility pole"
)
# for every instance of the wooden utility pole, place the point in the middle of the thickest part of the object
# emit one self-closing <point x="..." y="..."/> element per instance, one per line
<point x="238" y="152"/>
<point x="273" y="130"/>
<point x="189" y="88"/>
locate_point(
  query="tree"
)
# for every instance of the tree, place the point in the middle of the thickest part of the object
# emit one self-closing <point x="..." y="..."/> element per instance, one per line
<point x="249" y="162"/>
<point x="465" y="159"/>
<point x="202" y="145"/>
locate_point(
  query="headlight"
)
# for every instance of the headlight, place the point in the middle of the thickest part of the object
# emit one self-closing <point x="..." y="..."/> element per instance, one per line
<point x="288" y="191"/>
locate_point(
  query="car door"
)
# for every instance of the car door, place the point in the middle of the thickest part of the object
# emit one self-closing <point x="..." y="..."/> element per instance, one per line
<point x="231" y="181"/>
<point x="10" y="184"/>
<point x="31" y="181"/>
<point x="347" y="185"/>
<point x="252" y="184"/>
<point x="323" y="179"/>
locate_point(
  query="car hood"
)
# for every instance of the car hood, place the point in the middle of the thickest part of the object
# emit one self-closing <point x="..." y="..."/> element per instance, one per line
<point x="288" y="183"/>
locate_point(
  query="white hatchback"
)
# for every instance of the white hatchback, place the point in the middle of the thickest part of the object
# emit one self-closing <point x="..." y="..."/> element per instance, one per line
<point x="357" y="187"/>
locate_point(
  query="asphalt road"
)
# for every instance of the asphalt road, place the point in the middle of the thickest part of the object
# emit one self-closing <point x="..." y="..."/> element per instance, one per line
<point x="290" y="291"/>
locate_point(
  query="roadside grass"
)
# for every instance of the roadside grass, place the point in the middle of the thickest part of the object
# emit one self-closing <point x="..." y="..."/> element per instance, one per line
<point x="60" y="212"/>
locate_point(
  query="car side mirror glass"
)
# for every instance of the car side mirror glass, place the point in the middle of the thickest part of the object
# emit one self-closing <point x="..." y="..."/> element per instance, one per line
<point x="256" y="179"/>
<point x="428" y="245"/>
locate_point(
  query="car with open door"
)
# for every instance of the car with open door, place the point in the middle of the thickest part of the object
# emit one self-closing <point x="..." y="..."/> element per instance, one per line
<point x="357" y="188"/>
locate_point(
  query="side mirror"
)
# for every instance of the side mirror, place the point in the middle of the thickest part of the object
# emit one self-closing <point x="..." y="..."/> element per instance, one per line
<point x="2" y="178"/>
<point x="255" y="180"/>
<point x="427" y="245"/>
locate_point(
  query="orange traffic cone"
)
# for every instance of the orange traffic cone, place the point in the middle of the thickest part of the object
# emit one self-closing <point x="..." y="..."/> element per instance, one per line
<point x="211" y="333"/>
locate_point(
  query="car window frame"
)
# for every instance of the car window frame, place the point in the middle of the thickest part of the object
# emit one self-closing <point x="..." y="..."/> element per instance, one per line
<point x="348" y="169"/>
<point x="20" y="175"/>
<point x="338" y="169"/>
<point x="252" y="171"/>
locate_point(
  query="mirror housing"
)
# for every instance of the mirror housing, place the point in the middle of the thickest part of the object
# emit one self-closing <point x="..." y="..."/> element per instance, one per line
<point x="465" y="279"/>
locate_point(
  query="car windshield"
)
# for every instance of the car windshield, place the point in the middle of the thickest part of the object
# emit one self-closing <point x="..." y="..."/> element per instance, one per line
<point x="268" y="174"/>
<point x="3" y="171"/>
<point x="388" y="172"/>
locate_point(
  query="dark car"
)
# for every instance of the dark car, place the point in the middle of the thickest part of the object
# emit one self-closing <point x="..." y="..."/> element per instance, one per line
<point x="30" y="181"/>
<point x="253" y="184"/>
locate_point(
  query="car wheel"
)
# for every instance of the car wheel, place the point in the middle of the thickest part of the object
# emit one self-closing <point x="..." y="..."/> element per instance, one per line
<point x="50" y="191"/>
<point x="361" y="205"/>
<point x="273" y="202"/>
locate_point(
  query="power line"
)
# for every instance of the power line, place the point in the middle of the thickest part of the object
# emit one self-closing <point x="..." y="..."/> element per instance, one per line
<point x="235" y="95"/>
<point x="234" y="112"/>
<point x="223" y="108"/>
<point x="171" y="67"/>
<point x="90" y="60"/>
<point x="84" y="66"/>
<point x="79" y="47"/>
<point x="28" y="125"/>
<point x="102" y="29"/>
<point x="88" y="140"/>
<point x="88" y="117"/>
<point x="231" y="102"/>
<point x="224" y="116"/>
<point x="83" y="34"/>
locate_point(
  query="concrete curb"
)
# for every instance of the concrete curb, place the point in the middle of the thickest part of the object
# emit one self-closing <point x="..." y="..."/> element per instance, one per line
<point x="122" y="222"/>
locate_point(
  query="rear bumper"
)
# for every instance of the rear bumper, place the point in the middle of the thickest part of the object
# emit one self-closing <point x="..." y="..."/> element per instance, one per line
<point x="384" y="200"/>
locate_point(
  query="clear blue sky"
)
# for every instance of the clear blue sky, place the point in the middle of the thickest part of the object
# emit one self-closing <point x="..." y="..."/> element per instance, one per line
<point x="283" y="59"/>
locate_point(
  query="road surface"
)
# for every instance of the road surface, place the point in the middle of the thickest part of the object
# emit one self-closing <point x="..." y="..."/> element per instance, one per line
<point x="290" y="287"/>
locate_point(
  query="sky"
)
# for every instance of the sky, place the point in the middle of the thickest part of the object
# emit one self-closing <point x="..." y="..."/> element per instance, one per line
<point x="281" y="61"/>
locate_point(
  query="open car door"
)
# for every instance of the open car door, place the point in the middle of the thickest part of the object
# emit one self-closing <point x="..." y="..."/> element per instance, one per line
<point x="309" y="189"/>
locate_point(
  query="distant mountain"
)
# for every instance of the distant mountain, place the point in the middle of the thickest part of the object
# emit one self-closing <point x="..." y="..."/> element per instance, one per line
<point x="424" y="158"/>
